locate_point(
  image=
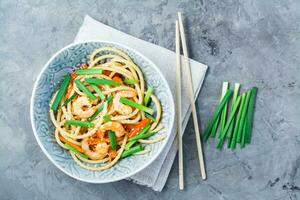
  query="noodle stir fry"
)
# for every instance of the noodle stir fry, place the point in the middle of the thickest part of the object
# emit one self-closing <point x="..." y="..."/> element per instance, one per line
<point x="101" y="111"/>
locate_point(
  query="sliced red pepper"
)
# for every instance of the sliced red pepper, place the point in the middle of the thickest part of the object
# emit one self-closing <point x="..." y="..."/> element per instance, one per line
<point x="138" y="127"/>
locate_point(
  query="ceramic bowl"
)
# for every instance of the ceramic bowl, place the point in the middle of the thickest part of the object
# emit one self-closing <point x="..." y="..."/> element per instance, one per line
<point x="48" y="81"/>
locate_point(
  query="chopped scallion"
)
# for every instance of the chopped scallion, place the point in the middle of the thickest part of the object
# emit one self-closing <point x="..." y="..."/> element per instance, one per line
<point x="69" y="99"/>
<point x="101" y="81"/>
<point x="112" y="139"/>
<point x="88" y="71"/>
<point x="98" y="91"/>
<point x="148" y="95"/>
<point x="68" y="146"/>
<point x="106" y="118"/>
<point x="84" y="89"/>
<point x="136" y="105"/>
<point x="130" y="81"/>
<point x="79" y="123"/>
<point x="131" y="151"/>
<point x="61" y="92"/>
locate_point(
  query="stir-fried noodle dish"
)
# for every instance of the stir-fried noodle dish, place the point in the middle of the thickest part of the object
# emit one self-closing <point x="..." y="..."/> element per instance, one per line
<point x="101" y="111"/>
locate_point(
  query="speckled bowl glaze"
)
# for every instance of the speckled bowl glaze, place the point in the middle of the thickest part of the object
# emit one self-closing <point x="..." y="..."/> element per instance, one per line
<point x="47" y="82"/>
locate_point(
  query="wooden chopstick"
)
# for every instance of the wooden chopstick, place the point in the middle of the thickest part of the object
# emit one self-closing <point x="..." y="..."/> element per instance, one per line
<point x="178" y="101"/>
<point x="192" y="98"/>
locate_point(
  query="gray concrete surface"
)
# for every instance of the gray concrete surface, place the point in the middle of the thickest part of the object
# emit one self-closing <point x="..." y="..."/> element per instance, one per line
<point x="253" y="42"/>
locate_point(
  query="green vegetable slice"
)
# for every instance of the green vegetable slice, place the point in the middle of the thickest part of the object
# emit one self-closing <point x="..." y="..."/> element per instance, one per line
<point x="250" y="114"/>
<point x="215" y="115"/>
<point x="236" y="127"/>
<point x="224" y="111"/>
<point x="112" y="139"/>
<point x="88" y="71"/>
<point x="142" y="136"/>
<point x="109" y="99"/>
<point x="216" y="124"/>
<point x="131" y="151"/>
<point x="229" y="122"/>
<point x="99" y="109"/>
<point x="69" y="99"/>
<point x="61" y="92"/>
<point x="243" y="140"/>
<point x="130" y="81"/>
<point x="136" y="105"/>
<point x="101" y="81"/>
<point x="67" y="146"/>
<point x="243" y="115"/>
<point x="150" y="117"/>
<point x="144" y="130"/>
<point x="84" y="89"/>
<point x="129" y="145"/>
<point x="79" y="123"/>
<point x="98" y="91"/>
<point x="234" y="99"/>
<point x="148" y="95"/>
<point x="106" y="118"/>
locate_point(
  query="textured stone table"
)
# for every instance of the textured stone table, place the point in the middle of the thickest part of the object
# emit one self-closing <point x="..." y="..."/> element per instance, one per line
<point x="252" y="42"/>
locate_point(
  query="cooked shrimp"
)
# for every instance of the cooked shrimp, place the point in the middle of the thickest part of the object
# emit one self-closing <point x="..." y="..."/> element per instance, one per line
<point x="113" y="126"/>
<point x="121" y="108"/>
<point x="101" y="150"/>
<point x="83" y="108"/>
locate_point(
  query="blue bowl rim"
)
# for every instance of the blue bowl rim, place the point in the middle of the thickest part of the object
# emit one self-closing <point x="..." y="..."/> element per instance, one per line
<point x="168" y="132"/>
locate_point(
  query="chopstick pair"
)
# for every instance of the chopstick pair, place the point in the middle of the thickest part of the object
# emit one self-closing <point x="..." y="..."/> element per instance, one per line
<point x="180" y="39"/>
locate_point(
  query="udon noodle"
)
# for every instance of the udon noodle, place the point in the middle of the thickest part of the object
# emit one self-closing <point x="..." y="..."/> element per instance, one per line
<point x="102" y="113"/>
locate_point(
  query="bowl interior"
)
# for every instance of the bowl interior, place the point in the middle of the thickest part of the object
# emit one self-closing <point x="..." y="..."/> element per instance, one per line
<point x="65" y="61"/>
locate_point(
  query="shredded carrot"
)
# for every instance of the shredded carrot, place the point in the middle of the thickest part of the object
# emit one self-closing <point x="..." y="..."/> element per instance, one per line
<point x="73" y="76"/>
<point x="78" y="148"/>
<point x="106" y="72"/>
<point x="129" y="127"/>
<point x="138" y="127"/>
<point x="112" y="154"/>
<point x="93" y="141"/>
<point x="83" y="66"/>
<point x="100" y="134"/>
<point x="118" y="79"/>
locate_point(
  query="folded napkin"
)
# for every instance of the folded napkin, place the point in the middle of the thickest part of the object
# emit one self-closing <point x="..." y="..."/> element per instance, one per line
<point x="154" y="176"/>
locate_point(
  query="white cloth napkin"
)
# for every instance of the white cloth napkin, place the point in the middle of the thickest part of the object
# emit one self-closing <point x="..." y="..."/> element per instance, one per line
<point x="154" y="176"/>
